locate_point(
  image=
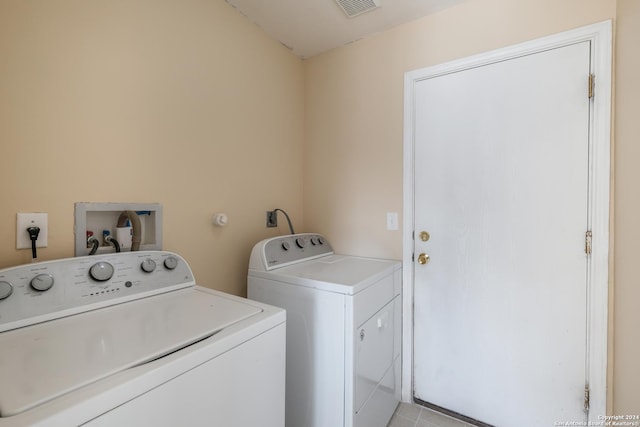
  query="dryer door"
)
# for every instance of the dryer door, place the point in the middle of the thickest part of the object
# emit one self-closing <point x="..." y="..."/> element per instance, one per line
<point x="374" y="352"/>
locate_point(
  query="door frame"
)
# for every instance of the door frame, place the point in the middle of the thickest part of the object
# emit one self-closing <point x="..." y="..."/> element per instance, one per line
<point x="600" y="36"/>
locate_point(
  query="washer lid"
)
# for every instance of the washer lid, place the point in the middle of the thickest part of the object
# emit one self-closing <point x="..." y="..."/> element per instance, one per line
<point x="41" y="362"/>
<point x="334" y="273"/>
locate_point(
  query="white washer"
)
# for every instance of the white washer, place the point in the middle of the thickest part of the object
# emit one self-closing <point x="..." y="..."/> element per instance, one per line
<point x="343" y="329"/>
<point x="129" y="339"/>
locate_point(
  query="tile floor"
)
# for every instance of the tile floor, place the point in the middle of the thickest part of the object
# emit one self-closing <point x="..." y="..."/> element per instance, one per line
<point x="408" y="415"/>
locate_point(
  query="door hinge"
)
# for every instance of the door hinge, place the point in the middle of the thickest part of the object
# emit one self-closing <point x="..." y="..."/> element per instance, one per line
<point x="592" y="83"/>
<point x="587" y="242"/>
<point x="586" y="398"/>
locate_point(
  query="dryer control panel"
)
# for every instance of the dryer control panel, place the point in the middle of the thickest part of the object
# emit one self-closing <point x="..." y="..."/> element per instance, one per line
<point x="34" y="293"/>
<point x="289" y="249"/>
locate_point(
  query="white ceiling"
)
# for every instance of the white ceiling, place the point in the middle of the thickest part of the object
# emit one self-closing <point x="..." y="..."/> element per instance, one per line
<point x="310" y="27"/>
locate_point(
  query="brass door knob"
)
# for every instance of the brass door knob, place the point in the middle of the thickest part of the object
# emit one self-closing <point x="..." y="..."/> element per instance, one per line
<point x="423" y="259"/>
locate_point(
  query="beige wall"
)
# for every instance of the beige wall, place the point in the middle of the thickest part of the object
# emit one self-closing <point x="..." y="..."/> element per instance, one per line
<point x="354" y="130"/>
<point x="185" y="103"/>
<point x="354" y="108"/>
<point x="626" y="378"/>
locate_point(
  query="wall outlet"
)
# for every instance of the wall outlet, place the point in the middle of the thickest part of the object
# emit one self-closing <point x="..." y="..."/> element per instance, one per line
<point x="26" y="220"/>
<point x="272" y="219"/>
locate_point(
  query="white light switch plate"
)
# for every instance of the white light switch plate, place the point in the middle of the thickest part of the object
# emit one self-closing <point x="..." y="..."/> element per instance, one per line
<point x="26" y="220"/>
<point x="392" y="220"/>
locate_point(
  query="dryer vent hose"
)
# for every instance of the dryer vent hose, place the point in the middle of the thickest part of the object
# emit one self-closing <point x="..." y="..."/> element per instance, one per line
<point x="135" y="224"/>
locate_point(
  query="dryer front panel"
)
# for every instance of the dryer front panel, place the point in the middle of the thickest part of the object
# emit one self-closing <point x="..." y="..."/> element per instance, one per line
<point x="374" y="351"/>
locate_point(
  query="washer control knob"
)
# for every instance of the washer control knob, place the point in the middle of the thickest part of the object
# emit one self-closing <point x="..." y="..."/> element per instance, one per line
<point x="301" y="242"/>
<point x="5" y="290"/>
<point x="314" y="240"/>
<point x="42" y="282"/>
<point x="171" y="262"/>
<point x="320" y="240"/>
<point x="101" y="271"/>
<point x="285" y="246"/>
<point x="148" y="265"/>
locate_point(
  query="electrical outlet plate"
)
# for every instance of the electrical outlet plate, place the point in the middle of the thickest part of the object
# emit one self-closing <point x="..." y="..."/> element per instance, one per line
<point x="272" y="219"/>
<point x="26" y="220"/>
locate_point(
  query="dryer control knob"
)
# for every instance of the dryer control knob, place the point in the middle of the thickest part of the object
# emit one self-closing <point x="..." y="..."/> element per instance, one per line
<point x="101" y="271"/>
<point x="42" y="282"/>
<point x="148" y="265"/>
<point x="171" y="262"/>
<point x="285" y="246"/>
<point x="301" y="242"/>
<point x="5" y="290"/>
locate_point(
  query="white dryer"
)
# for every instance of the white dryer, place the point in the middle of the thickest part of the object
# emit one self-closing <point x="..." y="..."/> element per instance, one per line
<point x="343" y="329"/>
<point x="128" y="339"/>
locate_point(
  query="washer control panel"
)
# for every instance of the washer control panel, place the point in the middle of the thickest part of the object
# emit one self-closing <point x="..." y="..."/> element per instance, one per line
<point x="289" y="249"/>
<point x="37" y="292"/>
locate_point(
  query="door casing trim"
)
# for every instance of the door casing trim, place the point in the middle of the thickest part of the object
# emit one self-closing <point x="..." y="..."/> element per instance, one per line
<point x="600" y="36"/>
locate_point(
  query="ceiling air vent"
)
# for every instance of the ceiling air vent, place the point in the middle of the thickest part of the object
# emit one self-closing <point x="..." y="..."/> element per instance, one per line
<point x="356" y="7"/>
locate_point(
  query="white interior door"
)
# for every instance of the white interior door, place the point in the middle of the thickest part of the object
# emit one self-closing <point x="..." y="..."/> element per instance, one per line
<point x="501" y="185"/>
